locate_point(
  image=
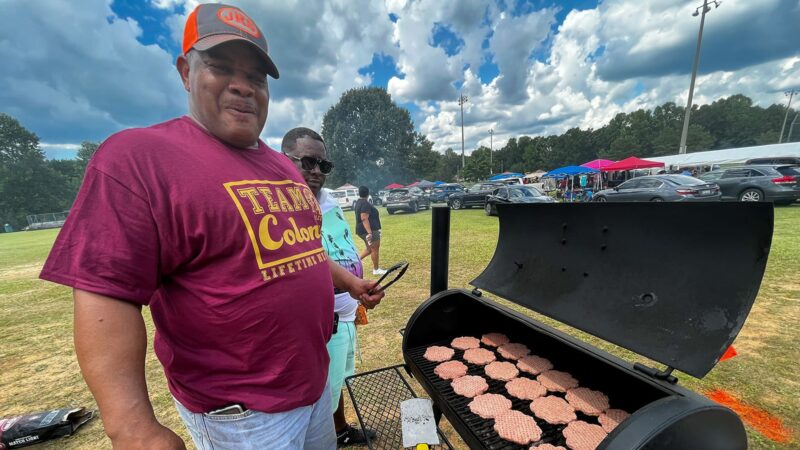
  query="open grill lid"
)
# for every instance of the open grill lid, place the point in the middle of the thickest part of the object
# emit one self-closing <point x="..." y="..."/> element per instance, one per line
<point x="670" y="281"/>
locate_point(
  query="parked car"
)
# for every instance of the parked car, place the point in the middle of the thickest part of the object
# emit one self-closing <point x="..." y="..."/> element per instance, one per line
<point x="440" y="193"/>
<point x="778" y="184"/>
<point x="345" y="197"/>
<point x="514" y="194"/>
<point x="783" y="160"/>
<point x="474" y="196"/>
<point x="406" y="199"/>
<point x="661" y="188"/>
<point x="381" y="196"/>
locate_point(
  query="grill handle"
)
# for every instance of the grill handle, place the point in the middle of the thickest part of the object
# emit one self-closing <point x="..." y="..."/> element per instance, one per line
<point x="440" y="248"/>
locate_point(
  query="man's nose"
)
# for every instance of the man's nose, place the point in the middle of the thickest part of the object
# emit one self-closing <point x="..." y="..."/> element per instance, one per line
<point x="240" y="84"/>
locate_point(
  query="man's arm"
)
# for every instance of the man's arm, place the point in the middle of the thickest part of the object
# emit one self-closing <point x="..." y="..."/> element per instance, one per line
<point x="111" y="343"/>
<point x="357" y="287"/>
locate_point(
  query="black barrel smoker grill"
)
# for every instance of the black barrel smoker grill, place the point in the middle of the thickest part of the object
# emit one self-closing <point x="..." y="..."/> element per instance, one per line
<point x="671" y="282"/>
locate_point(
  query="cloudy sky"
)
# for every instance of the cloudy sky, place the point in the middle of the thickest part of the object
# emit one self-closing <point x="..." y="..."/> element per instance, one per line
<point x="75" y="70"/>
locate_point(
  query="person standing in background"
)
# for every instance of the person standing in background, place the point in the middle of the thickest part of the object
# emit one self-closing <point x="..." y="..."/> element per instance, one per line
<point x="307" y="149"/>
<point x="368" y="228"/>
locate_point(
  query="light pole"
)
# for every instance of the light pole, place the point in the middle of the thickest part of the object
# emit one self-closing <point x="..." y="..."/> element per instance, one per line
<point x="697" y="12"/>
<point x="790" y="93"/>
<point x="461" y="100"/>
<point x="491" y="150"/>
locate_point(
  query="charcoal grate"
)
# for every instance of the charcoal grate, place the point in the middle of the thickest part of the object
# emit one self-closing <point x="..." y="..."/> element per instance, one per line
<point x="376" y="398"/>
<point x="483" y="429"/>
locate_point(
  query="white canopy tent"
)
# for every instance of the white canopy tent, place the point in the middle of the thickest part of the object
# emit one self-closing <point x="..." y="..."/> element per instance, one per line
<point x="729" y="156"/>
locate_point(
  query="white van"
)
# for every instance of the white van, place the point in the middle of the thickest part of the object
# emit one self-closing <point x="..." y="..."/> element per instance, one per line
<point x="346" y="197"/>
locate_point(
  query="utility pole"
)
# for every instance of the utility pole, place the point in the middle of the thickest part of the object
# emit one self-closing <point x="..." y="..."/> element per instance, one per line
<point x="491" y="150"/>
<point x="791" y="128"/>
<point x="461" y="100"/>
<point x="705" y="9"/>
<point x="790" y="93"/>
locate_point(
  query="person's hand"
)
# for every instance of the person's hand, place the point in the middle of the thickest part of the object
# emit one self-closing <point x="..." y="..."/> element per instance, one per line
<point x="360" y="290"/>
<point x="154" y="436"/>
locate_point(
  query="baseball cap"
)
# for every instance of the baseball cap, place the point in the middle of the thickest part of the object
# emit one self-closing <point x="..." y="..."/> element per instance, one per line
<point x="212" y="24"/>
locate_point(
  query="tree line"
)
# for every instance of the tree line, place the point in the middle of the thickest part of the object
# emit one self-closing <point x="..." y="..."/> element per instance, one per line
<point x="372" y="142"/>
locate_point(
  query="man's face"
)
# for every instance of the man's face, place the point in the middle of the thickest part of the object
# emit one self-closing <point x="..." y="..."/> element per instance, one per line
<point x="228" y="91"/>
<point x="305" y="146"/>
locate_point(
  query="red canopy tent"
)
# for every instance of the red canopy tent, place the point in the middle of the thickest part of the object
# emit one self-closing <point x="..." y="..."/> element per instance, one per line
<point x="393" y="186"/>
<point x="413" y="184"/>
<point x="631" y="164"/>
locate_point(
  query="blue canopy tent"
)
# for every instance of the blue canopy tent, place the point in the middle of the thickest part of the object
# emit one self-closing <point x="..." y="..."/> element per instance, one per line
<point x="570" y="172"/>
<point x="438" y="182"/>
<point x="503" y="176"/>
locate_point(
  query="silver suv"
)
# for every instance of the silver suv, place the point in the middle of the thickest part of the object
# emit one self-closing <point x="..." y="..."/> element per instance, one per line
<point x="778" y="184"/>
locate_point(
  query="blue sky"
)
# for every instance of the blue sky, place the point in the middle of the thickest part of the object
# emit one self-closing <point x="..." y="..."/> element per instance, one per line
<point x="528" y="67"/>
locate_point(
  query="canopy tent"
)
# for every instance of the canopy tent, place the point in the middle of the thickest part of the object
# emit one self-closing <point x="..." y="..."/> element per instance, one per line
<point x="568" y="171"/>
<point x="504" y="175"/>
<point x="437" y="182"/>
<point x="416" y="183"/>
<point x="346" y="186"/>
<point x="730" y="156"/>
<point x="631" y="164"/>
<point x="537" y="174"/>
<point x="426" y="184"/>
<point x="597" y="163"/>
<point x="393" y="186"/>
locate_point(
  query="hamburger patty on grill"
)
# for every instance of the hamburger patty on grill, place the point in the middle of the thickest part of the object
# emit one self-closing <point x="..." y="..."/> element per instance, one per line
<point x="469" y="386"/>
<point x="513" y="351"/>
<point x="534" y="365"/>
<point x="465" y="343"/>
<point x="494" y="339"/>
<point x="517" y="427"/>
<point x="479" y="356"/>
<point x="502" y="371"/>
<point x="587" y="401"/>
<point x="557" y="381"/>
<point x="437" y="353"/>
<point x="525" y="388"/>
<point x="553" y="410"/>
<point x="611" y="419"/>
<point x="489" y="406"/>
<point x="583" y="436"/>
<point x="450" y="370"/>
<point x="547" y="447"/>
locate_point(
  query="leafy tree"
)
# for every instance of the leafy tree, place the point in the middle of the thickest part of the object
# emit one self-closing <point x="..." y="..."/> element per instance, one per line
<point x="27" y="184"/>
<point x="477" y="167"/>
<point x="85" y="153"/>
<point x="369" y="138"/>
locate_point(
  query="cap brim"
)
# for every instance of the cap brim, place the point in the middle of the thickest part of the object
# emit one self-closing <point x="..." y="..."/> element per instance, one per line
<point x="212" y="41"/>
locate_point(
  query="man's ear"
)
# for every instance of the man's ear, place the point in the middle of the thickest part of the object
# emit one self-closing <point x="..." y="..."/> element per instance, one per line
<point x="182" y="65"/>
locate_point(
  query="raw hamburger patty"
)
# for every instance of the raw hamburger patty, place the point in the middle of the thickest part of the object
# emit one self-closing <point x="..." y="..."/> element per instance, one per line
<point x="450" y="370"/>
<point x="534" y="365"/>
<point x="587" y="401"/>
<point x="489" y="406"/>
<point x="553" y="410"/>
<point x="502" y="371"/>
<point x="437" y="353"/>
<point x="612" y="418"/>
<point x="465" y="343"/>
<point x="469" y="386"/>
<point x="494" y="339"/>
<point x="513" y="351"/>
<point x="517" y="427"/>
<point x="479" y="356"/>
<point x="556" y="381"/>
<point x="583" y="436"/>
<point x="525" y="388"/>
<point x="547" y="447"/>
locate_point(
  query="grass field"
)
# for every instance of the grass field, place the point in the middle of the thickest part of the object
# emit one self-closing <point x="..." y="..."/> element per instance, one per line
<point x="38" y="369"/>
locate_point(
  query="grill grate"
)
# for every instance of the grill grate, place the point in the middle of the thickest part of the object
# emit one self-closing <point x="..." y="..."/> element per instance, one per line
<point x="376" y="398"/>
<point x="483" y="429"/>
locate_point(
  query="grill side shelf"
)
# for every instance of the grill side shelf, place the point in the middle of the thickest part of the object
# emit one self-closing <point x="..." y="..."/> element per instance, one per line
<point x="376" y="397"/>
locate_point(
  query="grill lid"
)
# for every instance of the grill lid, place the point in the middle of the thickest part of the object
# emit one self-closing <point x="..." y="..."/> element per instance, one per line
<point x="670" y="281"/>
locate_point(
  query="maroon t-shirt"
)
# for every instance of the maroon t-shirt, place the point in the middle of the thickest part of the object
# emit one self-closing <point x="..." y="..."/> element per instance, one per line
<point x="223" y="244"/>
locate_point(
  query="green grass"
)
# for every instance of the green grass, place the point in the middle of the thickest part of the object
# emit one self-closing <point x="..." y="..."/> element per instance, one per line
<point x="38" y="368"/>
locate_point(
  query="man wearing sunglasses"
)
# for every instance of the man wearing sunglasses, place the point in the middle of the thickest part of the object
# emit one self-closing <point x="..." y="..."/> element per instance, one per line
<point x="220" y="236"/>
<point x="306" y="148"/>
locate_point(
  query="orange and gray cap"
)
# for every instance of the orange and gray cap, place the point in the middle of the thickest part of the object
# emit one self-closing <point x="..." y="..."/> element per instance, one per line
<point x="212" y="24"/>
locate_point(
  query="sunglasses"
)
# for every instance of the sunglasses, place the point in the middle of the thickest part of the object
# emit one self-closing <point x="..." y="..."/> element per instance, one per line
<point x="309" y="162"/>
<point x="397" y="271"/>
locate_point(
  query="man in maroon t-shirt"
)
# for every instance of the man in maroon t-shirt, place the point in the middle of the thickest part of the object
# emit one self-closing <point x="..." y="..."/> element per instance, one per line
<point x="216" y="232"/>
